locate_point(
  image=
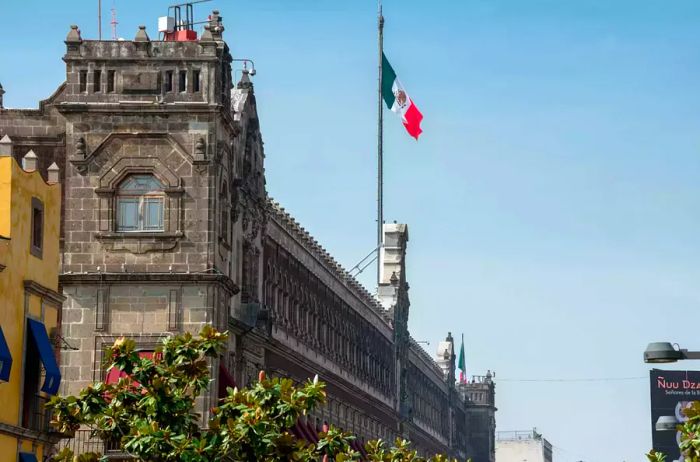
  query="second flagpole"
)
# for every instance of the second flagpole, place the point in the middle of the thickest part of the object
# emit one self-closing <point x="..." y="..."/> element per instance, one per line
<point x="380" y="149"/>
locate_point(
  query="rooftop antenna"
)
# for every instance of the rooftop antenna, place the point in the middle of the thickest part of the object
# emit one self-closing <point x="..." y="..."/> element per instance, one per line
<point x="114" y="22"/>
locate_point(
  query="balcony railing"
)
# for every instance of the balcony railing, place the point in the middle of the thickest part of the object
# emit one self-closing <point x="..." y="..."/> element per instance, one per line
<point x="518" y="435"/>
<point x="84" y="442"/>
<point x="36" y="416"/>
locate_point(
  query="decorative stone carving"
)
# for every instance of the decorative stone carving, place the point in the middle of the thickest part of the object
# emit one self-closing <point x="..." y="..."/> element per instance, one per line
<point x="111" y="144"/>
<point x="200" y="154"/>
<point x="141" y="35"/>
<point x="200" y="149"/>
<point x="73" y="41"/>
<point x="80" y="148"/>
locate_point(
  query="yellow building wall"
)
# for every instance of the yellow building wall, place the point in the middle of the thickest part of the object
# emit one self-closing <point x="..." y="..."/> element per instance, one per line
<point x="8" y="445"/>
<point x="5" y="194"/>
<point x="17" y="188"/>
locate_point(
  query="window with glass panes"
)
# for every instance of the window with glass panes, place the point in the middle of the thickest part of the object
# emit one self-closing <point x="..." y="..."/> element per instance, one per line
<point x="140" y="204"/>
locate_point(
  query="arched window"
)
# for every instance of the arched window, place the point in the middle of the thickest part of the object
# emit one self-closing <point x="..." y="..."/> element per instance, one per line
<point x="140" y="200"/>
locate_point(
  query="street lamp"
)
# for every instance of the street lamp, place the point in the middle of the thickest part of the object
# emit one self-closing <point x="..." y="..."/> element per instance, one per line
<point x="664" y="352"/>
<point x="666" y="423"/>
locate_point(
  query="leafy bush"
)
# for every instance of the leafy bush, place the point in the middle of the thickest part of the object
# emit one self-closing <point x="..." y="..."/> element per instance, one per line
<point x="150" y="412"/>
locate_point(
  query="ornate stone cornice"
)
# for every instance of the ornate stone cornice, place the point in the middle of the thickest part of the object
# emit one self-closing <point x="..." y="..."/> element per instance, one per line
<point x="25" y="433"/>
<point x="278" y="213"/>
<point x="39" y="290"/>
<point x="67" y="279"/>
<point x="428" y="362"/>
<point x="83" y="155"/>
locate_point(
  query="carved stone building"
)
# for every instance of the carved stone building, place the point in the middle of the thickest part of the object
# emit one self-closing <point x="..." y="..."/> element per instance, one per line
<point x="167" y="226"/>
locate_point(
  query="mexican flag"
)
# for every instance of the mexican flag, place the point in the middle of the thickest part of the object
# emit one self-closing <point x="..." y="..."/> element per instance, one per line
<point x="461" y="364"/>
<point x="398" y="100"/>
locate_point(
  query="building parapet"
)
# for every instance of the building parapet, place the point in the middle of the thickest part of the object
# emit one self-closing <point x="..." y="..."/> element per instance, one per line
<point x="427" y="361"/>
<point x="287" y="221"/>
<point x="519" y="435"/>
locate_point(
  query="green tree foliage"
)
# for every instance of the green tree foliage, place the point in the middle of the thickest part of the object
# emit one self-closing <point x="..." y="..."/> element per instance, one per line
<point x="150" y="413"/>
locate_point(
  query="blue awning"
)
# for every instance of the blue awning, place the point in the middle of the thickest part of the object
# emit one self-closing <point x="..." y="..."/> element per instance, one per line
<point x="43" y="344"/>
<point x="27" y="457"/>
<point x="5" y="359"/>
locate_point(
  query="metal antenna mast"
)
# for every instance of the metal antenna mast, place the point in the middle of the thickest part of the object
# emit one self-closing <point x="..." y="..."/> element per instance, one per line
<point x="114" y="22"/>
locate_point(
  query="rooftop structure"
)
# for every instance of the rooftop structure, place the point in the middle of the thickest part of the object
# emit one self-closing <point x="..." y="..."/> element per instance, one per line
<point x="519" y="446"/>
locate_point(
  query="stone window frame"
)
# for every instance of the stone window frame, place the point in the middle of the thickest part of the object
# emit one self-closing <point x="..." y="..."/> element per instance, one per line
<point x="148" y="342"/>
<point x="143" y="198"/>
<point x="108" y="192"/>
<point x="37" y="206"/>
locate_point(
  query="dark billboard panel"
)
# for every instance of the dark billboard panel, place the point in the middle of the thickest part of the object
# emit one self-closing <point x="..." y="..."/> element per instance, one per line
<point x="671" y="391"/>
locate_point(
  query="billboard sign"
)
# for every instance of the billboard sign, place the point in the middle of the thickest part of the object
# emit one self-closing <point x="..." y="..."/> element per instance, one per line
<point x="671" y="391"/>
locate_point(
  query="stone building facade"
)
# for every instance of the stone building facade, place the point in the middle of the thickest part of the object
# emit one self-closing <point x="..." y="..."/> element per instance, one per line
<point x="167" y="226"/>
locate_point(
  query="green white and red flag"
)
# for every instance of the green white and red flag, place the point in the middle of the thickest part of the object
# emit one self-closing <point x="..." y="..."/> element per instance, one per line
<point x="461" y="364"/>
<point x="398" y="100"/>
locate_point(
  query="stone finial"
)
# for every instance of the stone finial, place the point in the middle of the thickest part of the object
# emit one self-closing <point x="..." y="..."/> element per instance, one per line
<point x="206" y="35"/>
<point x="53" y="173"/>
<point x="30" y="162"/>
<point x="2" y="92"/>
<point x="74" y="34"/>
<point x="394" y="280"/>
<point x="141" y="35"/>
<point x="5" y="146"/>
<point x="217" y="27"/>
<point x="245" y="81"/>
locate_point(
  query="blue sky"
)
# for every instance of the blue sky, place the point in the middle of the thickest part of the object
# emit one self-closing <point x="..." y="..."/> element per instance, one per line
<point x="553" y="200"/>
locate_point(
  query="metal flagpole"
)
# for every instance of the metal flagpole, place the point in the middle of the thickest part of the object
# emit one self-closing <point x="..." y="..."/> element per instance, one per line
<point x="99" y="19"/>
<point x="380" y="149"/>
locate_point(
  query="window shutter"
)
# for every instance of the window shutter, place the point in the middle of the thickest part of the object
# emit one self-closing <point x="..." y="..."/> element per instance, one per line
<point x="128" y="214"/>
<point x="153" y="213"/>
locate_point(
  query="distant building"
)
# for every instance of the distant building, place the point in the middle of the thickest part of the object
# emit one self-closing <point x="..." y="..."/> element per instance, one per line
<point x="522" y="446"/>
<point x="30" y="213"/>
<point x="476" y="422"/>
<point x="480" y="395"/>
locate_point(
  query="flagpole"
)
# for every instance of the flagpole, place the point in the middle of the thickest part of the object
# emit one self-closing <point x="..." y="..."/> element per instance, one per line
<point x="99" y="19"/>
<point x="380" y="149"/>
<point x="463" y="378"/>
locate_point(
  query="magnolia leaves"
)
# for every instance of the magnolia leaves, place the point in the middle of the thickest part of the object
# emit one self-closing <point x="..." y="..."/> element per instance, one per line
<point x="149" y="412"/>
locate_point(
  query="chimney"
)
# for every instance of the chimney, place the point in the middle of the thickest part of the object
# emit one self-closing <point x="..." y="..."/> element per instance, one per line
<point x="2" y="92"/>
<point x="29" y="162"/>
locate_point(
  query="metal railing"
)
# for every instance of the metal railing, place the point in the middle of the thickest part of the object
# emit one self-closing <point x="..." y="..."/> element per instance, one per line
<point x="36" y="416"/>
<point x="518" y="435"/>
<point x="84" y="441"/>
